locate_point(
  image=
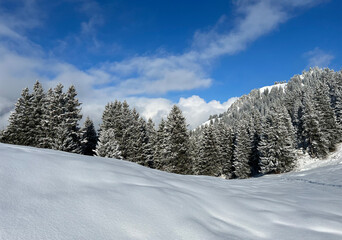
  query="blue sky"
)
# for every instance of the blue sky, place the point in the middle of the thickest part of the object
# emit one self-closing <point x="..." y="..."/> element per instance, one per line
<point x="197" y="54"/>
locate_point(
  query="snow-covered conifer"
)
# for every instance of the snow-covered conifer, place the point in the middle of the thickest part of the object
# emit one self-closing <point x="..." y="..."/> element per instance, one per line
<point x="178" y="161"/>
<point x="88" y="137"/>
<point x="107" y="145"/>
<point x="242" y="152"/>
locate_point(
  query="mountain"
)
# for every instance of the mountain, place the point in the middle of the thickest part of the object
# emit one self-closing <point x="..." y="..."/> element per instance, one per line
<point x="242" y="100"/>
<point x="48" y="194"/>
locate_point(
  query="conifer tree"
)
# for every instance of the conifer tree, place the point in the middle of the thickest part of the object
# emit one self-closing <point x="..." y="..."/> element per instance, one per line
<point x="316" y="143"/>
<point x="17" y="132"/>
<point x="276" y="147"/>
<point x="88" y="137"/>
<point x="47" y="121"/>
<point x="35" y="124"/>
<point x="242" y="152"/>
<point x="224" y="143"/>
<point x="255" y="124"/>
<point x="209" y="160"/>
<point x="107" y="145"/>
<point x="326" y="115"/>
<point x="178" y="160"/>
<point x="161" y="147"/>
<point x="151" y="141"/>
<point x="66" y="114"/>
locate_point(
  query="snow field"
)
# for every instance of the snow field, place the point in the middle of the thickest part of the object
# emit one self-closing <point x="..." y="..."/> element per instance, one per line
<point x="46" y="194"/>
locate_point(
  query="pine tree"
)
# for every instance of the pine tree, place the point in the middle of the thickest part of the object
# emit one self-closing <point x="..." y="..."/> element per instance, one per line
<point x="17" y="131"/>
<point x="88" y="137"/>
<point x="255" y="124"/>
<point x="56" y="118"/>
<point x="71" y="117"/>
<point x="208" y="160"/>
<point x="242" y="152"/>
<point x="268" y="160"/>
<point x="277" y="147"/>
<point x="151" y="141"/>
<point x="107" y="145"/>
<point x="35" y="124"/>
<point x="316" y="142"/>
<point x="224" y="143"/>
<point x="162" y="148"/>
<point x="139" y="140"/>
<point x="178" y="160"/>
<point x="64" y="140"/>
<point x="47" y="121"/>
<point x="327" y="118"/>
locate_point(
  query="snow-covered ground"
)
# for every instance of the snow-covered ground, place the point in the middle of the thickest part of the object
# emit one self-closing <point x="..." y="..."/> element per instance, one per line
<point x="279" y="85"/>
<point x="46" y="194"/>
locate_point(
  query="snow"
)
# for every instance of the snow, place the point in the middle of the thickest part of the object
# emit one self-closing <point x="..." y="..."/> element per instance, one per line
<point x="48" y="194"/>
<point x="305" y="162"/>
<point x="279" y="85"/>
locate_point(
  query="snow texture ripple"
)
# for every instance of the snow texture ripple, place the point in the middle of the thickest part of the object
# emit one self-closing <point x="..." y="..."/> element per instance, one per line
<point x="46" y="194"/>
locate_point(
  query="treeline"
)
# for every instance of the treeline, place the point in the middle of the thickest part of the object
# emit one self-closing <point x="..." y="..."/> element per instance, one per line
<point x="50" y="120"/>
<point x="268" y="128"/>
<point x="260" y="133"/>
<point x="126" y="135"/>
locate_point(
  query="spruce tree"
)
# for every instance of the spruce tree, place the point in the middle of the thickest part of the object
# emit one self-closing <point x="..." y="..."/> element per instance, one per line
<point x="224" y="143"/>
<point x="316" y="142"/>
<point x="151" y="141"/>
<point x="178" y="160"/>
<point x="47" y="121"/>
<point x="242" y="152"/>
<point x="162" y="148"/>
<point x="107" y="145"/>
<point x="277" y="147"/>
<point x="326" y="115"/>
<point x="88" y="137"/>
<point x="208" y="160"/>
<point x="35" y="124"/>
<point x="18" y="132"/>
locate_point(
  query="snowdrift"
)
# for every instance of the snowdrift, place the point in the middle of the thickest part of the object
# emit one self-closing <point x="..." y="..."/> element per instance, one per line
<point x="46" y="194"/>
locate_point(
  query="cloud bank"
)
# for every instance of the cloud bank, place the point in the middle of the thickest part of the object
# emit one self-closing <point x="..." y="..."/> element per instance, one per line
<point x="142" y="80"/>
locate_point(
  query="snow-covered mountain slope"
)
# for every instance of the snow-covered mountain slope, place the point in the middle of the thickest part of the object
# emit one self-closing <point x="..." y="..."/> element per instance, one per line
<point x="269" y="88"/>
<point x="239" y="102"/>
<point x="46" y="194"/>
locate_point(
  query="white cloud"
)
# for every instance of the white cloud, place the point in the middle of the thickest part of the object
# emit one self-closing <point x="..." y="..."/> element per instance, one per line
<point x="318" y="58"/>
<point x="195" y="109"/>
<point x="135" y="77"/>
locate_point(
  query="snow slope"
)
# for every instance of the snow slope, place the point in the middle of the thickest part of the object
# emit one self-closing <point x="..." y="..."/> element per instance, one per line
<point x="279" y="85"/>
<point x="46" y="194"/>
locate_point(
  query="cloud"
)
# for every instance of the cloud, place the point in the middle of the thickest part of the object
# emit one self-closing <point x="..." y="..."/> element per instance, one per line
<point x="318" y="58"/>
<point x="142" y="80"/>
<point x="195" y="109"/>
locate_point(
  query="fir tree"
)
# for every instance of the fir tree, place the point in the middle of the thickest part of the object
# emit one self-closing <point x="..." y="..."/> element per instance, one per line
<point x="208" y="160"/>
<point x="88" y="138"/>
<point x="178" y="160"/>
<point x="151" y="141"/>
<point x="18" y="131"/>
<point x="35" y="124"/>
<point x="107" y="145"/>
<point x="326" y="115"/>
<point x="161" y="147"/>
<point x="316" y="143"/>
<point x="224" y="143"/>
<point x="276" y="146"/>
<point x="242" y="152"/>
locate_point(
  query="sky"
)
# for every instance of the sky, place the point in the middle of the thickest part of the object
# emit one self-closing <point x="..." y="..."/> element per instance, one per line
<point x="200" y="55"/>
